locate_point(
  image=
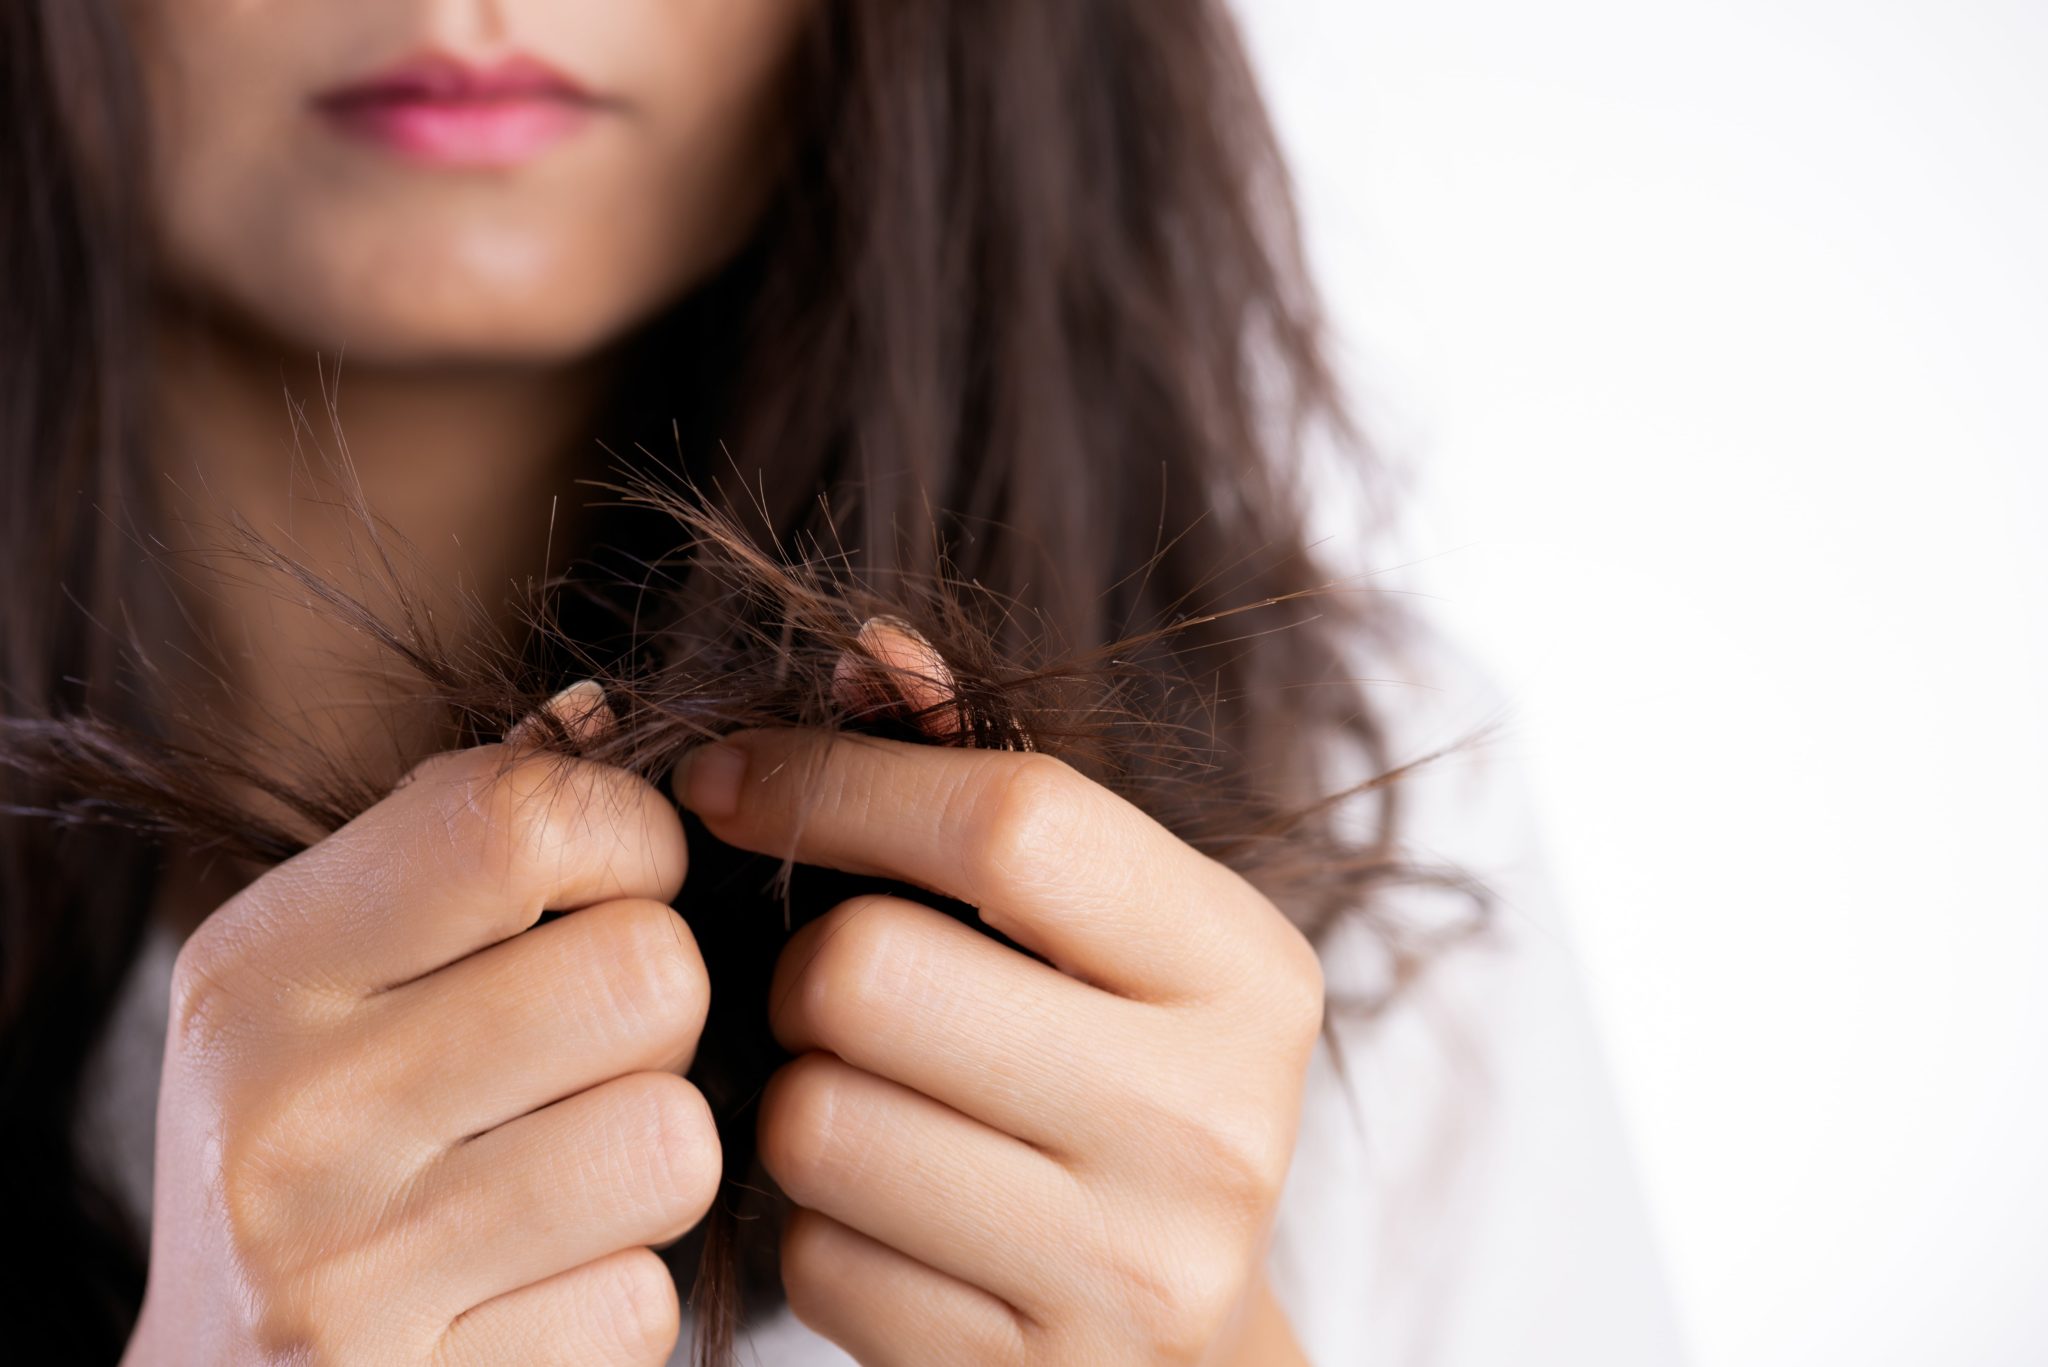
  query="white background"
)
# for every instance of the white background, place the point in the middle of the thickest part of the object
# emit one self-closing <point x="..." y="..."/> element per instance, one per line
<point x="1717" y="338"/>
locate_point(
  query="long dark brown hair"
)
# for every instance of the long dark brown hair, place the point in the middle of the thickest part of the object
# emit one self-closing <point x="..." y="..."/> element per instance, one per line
<point x="1023" y="352"/>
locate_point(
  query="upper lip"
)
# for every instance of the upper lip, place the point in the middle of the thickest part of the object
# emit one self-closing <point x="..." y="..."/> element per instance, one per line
<point x="441" y="78"/>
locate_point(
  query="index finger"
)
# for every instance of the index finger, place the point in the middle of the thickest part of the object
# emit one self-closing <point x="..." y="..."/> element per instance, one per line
<point x="1056" y="862"/>
<point x="470" y="850"/>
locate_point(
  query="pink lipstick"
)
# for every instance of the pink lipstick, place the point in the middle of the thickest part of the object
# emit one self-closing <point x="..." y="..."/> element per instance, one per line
<point x="442" y="111"/>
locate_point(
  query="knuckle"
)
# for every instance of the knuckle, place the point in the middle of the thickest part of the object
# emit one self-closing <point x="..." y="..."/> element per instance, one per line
<point x="1025" y="819"/>
<point x="796" y="1127"/>
<point x="674" y="1148"/>
<point x="1300" y="994"/>
<point x="1244" y="1157"/>
<point x="857" y="948"/>
<point x="303" y="1318"/>
<point x="257" y="1205"/>
<point x="655" y="976"/>
<point x="225" y="974"/>
<point x="833" y="776"/>
<point x="285" y="1330"/>
<point x="202" y="1004"/>
<point x="1233" y="1152"/>
<point x="300" y="1280"/>
<point x="1177" y="1305"/>
<point x="276" y="1147"/>
<point x="281" y="1159"/>
<point x="642" y="1316"/>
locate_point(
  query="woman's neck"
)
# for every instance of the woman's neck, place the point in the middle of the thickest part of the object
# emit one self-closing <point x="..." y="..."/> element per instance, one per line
<point x="470" y="472"/>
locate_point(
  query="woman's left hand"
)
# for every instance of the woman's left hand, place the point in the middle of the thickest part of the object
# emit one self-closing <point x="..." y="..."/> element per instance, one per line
<point x="993" y="1160"/>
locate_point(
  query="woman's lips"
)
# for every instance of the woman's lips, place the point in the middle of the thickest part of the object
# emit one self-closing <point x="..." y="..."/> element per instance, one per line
<point x="443" y="111"/>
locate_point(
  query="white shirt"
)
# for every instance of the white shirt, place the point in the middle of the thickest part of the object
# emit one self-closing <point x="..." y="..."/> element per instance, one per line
<point x="1470" y="1202"/>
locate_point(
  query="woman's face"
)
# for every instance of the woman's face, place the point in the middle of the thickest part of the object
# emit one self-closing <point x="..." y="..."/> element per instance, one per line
<point x="458" y="181"/>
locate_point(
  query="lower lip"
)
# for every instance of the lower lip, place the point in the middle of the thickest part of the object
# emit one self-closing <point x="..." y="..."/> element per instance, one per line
<point x="473" y="133"/>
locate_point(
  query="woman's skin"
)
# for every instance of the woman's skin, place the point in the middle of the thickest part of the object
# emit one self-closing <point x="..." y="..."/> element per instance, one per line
<point x="400" y="1121"/>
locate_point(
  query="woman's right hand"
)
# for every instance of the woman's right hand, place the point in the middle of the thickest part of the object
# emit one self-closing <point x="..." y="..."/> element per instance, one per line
<point x="401" y="1123"/>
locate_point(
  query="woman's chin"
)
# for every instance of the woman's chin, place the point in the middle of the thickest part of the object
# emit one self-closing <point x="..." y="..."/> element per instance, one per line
<point x="446" y="332"/>
<point x="427" y="303"/>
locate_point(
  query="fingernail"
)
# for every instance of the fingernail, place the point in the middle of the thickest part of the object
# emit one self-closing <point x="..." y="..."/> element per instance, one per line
<point x="580" y="708"/>
<point x="904" y="669"/>
<point x="709" y="779"/>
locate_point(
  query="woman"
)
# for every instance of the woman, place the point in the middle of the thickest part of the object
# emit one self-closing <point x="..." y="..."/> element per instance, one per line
<point x="1015" y="289"/>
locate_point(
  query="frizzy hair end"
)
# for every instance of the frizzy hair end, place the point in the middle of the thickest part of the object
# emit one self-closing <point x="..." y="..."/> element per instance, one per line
<point x="751" y="635"/>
